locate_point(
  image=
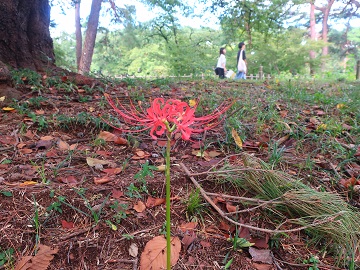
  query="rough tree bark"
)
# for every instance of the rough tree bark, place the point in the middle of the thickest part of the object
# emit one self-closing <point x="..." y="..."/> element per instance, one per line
<point x="90" y="37"/>
<point x="25" y="40"/>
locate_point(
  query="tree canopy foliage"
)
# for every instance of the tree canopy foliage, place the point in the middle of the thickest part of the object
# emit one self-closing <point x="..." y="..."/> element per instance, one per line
<point x="276" y="34"/>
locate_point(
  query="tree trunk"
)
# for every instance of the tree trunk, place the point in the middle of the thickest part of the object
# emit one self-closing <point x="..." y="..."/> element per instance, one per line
<point x="326" y="11"/>
<point x="312" y="35"/>
<point x="325" y="30"/>
<point x="78" y="34"/>
<point x="25" y="37"/>
<point x="90" y="37"/>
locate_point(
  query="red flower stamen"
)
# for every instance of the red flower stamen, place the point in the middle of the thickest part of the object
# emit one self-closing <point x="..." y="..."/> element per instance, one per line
<point x="162" y="115"/>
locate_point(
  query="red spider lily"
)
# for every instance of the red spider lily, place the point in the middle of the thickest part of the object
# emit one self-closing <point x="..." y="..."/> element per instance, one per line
<point x="172" y="115"/>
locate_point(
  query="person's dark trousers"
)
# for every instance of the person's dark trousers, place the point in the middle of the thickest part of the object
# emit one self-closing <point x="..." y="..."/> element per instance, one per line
<point x="220" y="72"/>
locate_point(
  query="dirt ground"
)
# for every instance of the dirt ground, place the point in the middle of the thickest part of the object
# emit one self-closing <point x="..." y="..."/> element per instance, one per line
<point x="101" y="216"/>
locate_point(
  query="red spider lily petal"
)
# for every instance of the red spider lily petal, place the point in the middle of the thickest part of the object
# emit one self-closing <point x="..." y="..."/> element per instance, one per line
<point x="174" y="112"/>
<point x="211" y="120"/>
<point x="133" y="117"/>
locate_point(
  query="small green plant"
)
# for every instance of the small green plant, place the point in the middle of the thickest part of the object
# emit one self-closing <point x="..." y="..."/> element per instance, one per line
<point x="239" y="243"/>
<point x="6" y="256"/>
<point x="23" y="129"/>
<point x="6" y="193"/>
<point x="102" y="103"/>
<point x="39" y="119"/>
<point x="84" y="99"/>
<point x="111" y="225"/>
<point x="41" y="171"/>
<point x="145" y="171"/>
<point x="194" y="205"/>
<point x="6" y="161"/>
<point x="228" y="264"/>
<point x="128" y="236"/>
<point x="314" y="261"/>
<point x="36" y="101"/>
<point x="132" y="191"/>
<point x="96" y="214"/>
<point x="36" y="222"/>
<point x="120" y="211"/>
<point x="26" y="76"/>
<point x="22" y="108"/>
<point x="56" y="206"/>
<point x="99" y="142"/>
<point x="274" y="241"/>
<point x="276" y="154"/>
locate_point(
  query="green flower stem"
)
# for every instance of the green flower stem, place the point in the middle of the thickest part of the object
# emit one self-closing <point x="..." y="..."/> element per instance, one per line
<point x="168" y="222"/>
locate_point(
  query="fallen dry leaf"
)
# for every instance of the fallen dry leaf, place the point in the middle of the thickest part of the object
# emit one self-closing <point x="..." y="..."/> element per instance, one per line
<point x="139" y="207"/>
<point x="21" y="145"/>
<point x="67" y="179"/>
<point x="92" y="162"/>
<point x="51" y="153"/>
<point x="230" y="208"/>
<point x="29" y="134"/>
<point x="116" y="193"/>
<point x="236" y="138"/>
<point x="161" y="168"/>
<point x="39" y="112"/>
<point x="43" y="144"/>
<point x="28" y="183"/>
<point x="283" y="139"/>
<point x="261" y="255"/>
<point x="8" y="109"/>
<point x="154" y="254"/>
<point x="197" y="145"/>
<point x="133" y="250"/>
<point x="261" y="266"/>
<point x="26" y="151"/>
<point x="140" y="154"/>
<point x="152" y="202"/>
<point x="63" y="145"/>
<point x="190" y="226"/>
<point x="188" y="239"/>
<point x="260" y="242"/>
<point x="214" y="153"/>
<point x="101" y="180"/>
<point x="120" y="141"/>
<point x="40" y="261"/>
<point x="205" y="244"/>
<point x="110" y="137"/>
<point x="107" y="136"/>
<point x="104" y="153"/>
<point x="67" y="225"/>
<point x="112" y="171"/>
<point x="350" y="182"/>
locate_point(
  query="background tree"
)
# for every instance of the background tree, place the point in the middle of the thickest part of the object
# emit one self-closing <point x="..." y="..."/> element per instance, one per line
<point x="78" y="33"/>
<point x="90" y="37"/>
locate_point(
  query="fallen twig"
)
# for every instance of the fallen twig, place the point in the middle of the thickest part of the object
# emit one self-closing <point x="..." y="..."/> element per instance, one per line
<point x="134" y="262"/>
<point x="233" y="170"/>
<point x="222" y="214"/>
<point x="319" y="265"/>
<point x="241" y="198"/>
<point x="334" y="170"/>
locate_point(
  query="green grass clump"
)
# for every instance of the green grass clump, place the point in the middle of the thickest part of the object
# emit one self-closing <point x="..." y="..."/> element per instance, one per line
<point x="329" y="219"/>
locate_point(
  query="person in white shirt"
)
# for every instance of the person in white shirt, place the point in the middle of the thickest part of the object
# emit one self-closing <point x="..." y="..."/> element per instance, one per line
<point x="221" y="64"/>
<point x="242" y="67"/>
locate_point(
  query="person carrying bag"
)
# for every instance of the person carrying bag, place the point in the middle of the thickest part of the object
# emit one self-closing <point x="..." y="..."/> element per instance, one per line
<point x="241" y="60"/>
